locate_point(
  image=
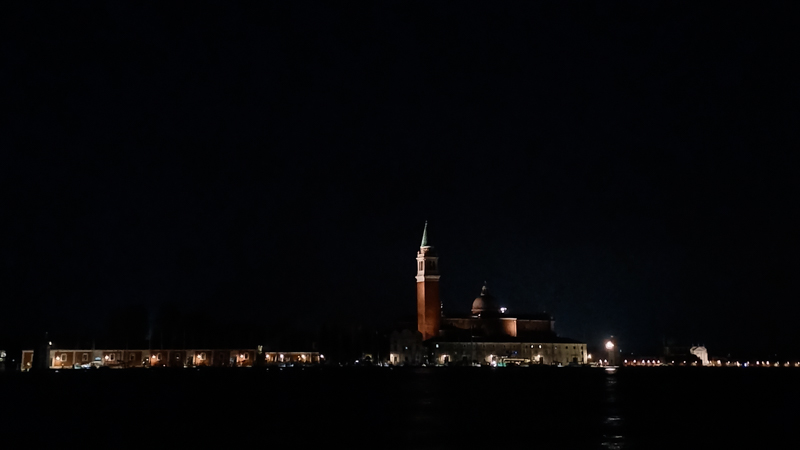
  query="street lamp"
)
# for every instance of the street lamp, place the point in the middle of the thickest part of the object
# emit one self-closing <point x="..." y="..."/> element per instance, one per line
<point x="609" y="349"/>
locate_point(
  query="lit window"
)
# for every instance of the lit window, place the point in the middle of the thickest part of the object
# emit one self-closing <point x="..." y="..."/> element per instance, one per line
<point x="246" y="356"/>
<point x="111" y="357"/>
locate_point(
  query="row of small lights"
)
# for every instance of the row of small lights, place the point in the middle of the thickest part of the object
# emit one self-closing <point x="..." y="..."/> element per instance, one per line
<point x="720" y="363"/>
<point x="610" y="345"/>
<point x="645" y="362"/>
<point x="767" y="364"/>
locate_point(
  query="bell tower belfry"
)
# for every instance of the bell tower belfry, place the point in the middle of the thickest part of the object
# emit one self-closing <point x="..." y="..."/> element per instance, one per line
<point x="429" y="307"/>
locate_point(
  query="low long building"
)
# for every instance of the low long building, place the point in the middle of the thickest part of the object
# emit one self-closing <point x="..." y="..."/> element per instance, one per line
<point x="407" y="347"/>
<point x="118" y="358"/>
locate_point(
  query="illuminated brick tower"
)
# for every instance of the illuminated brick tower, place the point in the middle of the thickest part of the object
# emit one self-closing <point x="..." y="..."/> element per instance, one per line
<point x="429" y="308"/>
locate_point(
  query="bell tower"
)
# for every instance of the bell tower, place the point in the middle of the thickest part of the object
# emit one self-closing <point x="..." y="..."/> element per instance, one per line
<point x="429" y="308"/>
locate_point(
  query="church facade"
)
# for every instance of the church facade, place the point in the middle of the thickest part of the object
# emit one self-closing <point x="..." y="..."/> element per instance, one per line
<point x="486" y="335"/>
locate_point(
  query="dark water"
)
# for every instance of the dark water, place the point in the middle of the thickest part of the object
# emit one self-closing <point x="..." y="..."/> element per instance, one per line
<point x="415" y="408"/>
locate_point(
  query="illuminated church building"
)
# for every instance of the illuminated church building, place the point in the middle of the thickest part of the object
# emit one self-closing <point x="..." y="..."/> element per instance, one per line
<point x="487" y="335"/>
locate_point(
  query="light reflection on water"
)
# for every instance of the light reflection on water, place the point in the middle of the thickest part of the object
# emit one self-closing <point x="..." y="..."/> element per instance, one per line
<point x="531" y="408"/>
<point x="613" y="437"/>
<point x="547" y="409"/>
<point x="424" y="417"/>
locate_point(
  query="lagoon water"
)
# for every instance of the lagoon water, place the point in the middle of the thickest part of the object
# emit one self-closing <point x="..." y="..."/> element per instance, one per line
<point x="420" y="408"/>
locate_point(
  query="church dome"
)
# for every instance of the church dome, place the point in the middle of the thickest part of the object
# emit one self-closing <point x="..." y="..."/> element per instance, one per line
<point x="485" y="303"/>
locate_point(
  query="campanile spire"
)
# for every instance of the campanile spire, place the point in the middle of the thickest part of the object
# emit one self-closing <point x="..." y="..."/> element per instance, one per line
<point x="429" y="308"/>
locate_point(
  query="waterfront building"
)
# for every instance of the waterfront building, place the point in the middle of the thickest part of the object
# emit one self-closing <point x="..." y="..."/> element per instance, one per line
<point x="486" y="335"/>
<point x="118" y="358"/>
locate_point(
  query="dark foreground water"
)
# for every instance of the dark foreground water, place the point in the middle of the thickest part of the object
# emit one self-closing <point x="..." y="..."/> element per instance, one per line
<point x="397" y="408"/>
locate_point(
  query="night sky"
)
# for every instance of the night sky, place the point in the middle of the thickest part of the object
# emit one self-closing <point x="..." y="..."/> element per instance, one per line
<point x="629" y="168"/>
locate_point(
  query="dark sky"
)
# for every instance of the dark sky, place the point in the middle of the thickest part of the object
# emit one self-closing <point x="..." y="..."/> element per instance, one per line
<point x="629" y="168"/>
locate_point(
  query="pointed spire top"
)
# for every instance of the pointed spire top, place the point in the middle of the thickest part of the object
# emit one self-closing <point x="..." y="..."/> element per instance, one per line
<point x="425" y="236"/>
